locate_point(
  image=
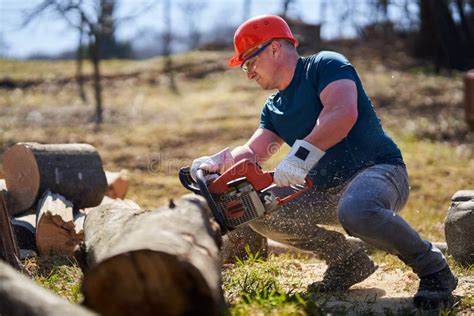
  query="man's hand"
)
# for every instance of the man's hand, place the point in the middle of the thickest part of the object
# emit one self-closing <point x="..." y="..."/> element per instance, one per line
<point x="216" y="163"/>
<point x="296" y="165"/>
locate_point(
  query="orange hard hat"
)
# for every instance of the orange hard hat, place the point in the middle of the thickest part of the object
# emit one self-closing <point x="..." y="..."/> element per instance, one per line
<point x="257" y="30"/>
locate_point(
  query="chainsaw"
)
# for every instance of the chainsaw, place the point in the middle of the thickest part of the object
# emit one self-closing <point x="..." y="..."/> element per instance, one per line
<point x="239" y="195"/>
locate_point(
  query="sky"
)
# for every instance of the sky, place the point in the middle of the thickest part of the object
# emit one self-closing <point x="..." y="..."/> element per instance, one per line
<point x="50" y="34"/>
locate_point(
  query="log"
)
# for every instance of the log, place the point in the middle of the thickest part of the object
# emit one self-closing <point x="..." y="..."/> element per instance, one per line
<point x="117" y="184"/>
<point x="25" y="231"/>
<point x="56" y="231"/>
<point x="8" y="247"/>
<point x="20" y="296"/>
<point x="72" y="170"/>
<point x="142" y="262"/>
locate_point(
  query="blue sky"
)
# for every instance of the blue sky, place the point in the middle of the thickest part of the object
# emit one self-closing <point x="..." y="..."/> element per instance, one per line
<point x="51" y="34"/>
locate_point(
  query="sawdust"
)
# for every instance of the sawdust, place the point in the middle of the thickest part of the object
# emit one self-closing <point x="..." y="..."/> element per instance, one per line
<point x="387" y="291"/>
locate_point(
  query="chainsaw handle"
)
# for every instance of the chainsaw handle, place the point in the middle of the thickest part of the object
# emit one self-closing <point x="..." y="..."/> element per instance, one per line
<point x="286" y="199"/>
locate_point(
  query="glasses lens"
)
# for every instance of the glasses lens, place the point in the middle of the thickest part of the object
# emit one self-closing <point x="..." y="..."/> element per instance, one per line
<point x="247" y="63"/>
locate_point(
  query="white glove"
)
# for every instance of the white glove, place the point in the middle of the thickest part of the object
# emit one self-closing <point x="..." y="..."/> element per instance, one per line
<point x="296" y="165"/>
<point x="216" y="163"/>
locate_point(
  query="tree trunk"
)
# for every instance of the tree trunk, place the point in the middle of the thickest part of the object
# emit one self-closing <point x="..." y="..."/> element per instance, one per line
<point x="56" y="230"/>
<point x="72" y="170"/>
<point x="79" y="63"/>
<point x="20" y="296"/>
<point x="143" y="262"/>
<point x="469" y="98"/>
<point x="8" y="246"/>
<point x="94" y="48"/>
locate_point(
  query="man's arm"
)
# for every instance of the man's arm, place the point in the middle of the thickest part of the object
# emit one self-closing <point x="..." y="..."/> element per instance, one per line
<point x="260" y="147"/>
<point x="338" y="116"/>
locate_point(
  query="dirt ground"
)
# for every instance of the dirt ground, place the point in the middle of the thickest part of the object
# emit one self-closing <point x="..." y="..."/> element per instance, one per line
<point x="386" y="290"/>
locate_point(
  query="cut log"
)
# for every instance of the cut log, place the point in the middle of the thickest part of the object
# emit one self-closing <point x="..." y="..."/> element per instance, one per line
<point x="25" y="231"/>
<point x="146" y="263"/>
<point x="72" y="170"/>
<point x="117" y="184"/>
<point x="56" y="232"/>
<point x="8" y="247"/>
<point x="21" y="296"/>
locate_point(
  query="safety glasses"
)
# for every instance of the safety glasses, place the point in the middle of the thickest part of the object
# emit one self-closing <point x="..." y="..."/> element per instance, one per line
<point x="250" y="60"/>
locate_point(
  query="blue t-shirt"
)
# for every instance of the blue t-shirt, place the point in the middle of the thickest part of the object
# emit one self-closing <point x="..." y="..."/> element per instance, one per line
<point x="292" y="115"/>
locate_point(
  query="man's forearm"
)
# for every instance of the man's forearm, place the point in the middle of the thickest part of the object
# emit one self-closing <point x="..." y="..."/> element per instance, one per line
<point x="244" y="152"/>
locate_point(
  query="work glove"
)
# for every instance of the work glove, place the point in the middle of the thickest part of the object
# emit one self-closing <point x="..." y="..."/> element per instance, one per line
<point x="216" y="163"/>
<point x="296" y="165"/>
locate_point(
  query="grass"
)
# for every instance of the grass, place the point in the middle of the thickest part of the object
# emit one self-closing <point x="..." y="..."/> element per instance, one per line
<point x="152" y="131"/>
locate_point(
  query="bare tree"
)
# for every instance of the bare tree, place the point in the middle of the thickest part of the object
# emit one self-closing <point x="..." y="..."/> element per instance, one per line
<point x="167" y="42"/>
<point x="247" y="9"/>
<point x="286" y="5"/>
<point x="96" y="20"/>
<point x="192" y="10"/>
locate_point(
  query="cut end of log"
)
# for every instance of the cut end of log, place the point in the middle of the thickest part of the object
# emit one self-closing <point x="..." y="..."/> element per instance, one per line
<point x="117" y="184"/>
<point x="147" y="282"/>
<point x="22" y="176"/>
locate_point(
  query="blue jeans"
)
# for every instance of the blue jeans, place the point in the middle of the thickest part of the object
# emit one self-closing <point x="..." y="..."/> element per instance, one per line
<point x="366" y="206"/>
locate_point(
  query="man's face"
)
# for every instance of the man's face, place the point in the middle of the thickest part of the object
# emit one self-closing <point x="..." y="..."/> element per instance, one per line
<point x="260" y="67"/>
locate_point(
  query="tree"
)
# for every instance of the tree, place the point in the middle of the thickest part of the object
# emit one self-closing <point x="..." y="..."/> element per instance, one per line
<point x="449" y="43"/>
<point x="96" y="19"/>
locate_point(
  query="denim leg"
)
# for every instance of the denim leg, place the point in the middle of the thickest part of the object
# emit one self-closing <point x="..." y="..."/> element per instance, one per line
<point x="368" y="209"/>
<point x="297" y="224"/>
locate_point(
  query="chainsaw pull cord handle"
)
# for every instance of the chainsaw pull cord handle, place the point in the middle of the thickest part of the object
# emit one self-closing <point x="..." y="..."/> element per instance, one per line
<point x="286" y="199"/>
<point x="204" y="191"/>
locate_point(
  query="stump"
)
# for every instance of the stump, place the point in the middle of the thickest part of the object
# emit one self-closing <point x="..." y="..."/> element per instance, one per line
<point x="459" y="225"/>
<point x="20" y="296"/>
<point x="72" y="170"/>
<point x="146" y="263"/>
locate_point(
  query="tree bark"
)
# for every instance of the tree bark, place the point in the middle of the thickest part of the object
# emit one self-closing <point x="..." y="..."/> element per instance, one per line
<point x="72" y="170"/>
<point x="143" y="262"/>
<point x="20" y="296"/>
<point x="8" y="247"/>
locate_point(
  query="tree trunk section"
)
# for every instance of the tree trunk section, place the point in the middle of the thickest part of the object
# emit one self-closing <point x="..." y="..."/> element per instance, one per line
<point x="72" y="170"/>
<point x="117" y="184"/>
<point x="25" y="231"/>
<point x="56" y="232"/>
<point x="144" y="262"/>
<point x="8" y="247"/>
<point x="20" y="296"/>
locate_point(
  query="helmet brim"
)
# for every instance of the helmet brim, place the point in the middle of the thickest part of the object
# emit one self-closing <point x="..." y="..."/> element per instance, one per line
<point x="234" y="61"/>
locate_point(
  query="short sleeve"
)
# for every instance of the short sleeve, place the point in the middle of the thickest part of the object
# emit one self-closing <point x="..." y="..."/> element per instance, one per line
<point x="331" y="67"/>
<point x="266" y="119"/>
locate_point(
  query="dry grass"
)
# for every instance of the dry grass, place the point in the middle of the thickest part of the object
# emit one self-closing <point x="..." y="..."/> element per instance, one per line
<point x="152" y="131"/>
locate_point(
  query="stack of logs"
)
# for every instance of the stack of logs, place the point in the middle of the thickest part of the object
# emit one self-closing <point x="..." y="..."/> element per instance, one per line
<point x="148" y="262"/>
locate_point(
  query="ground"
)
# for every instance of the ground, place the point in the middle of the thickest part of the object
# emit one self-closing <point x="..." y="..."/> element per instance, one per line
<point x="152" y="130"/>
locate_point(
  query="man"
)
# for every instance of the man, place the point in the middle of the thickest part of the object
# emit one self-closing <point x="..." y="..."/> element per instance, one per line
<point x="321" y="110"/>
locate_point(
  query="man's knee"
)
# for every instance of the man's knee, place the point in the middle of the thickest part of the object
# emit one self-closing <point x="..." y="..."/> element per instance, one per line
<point x="356" y="216"/>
